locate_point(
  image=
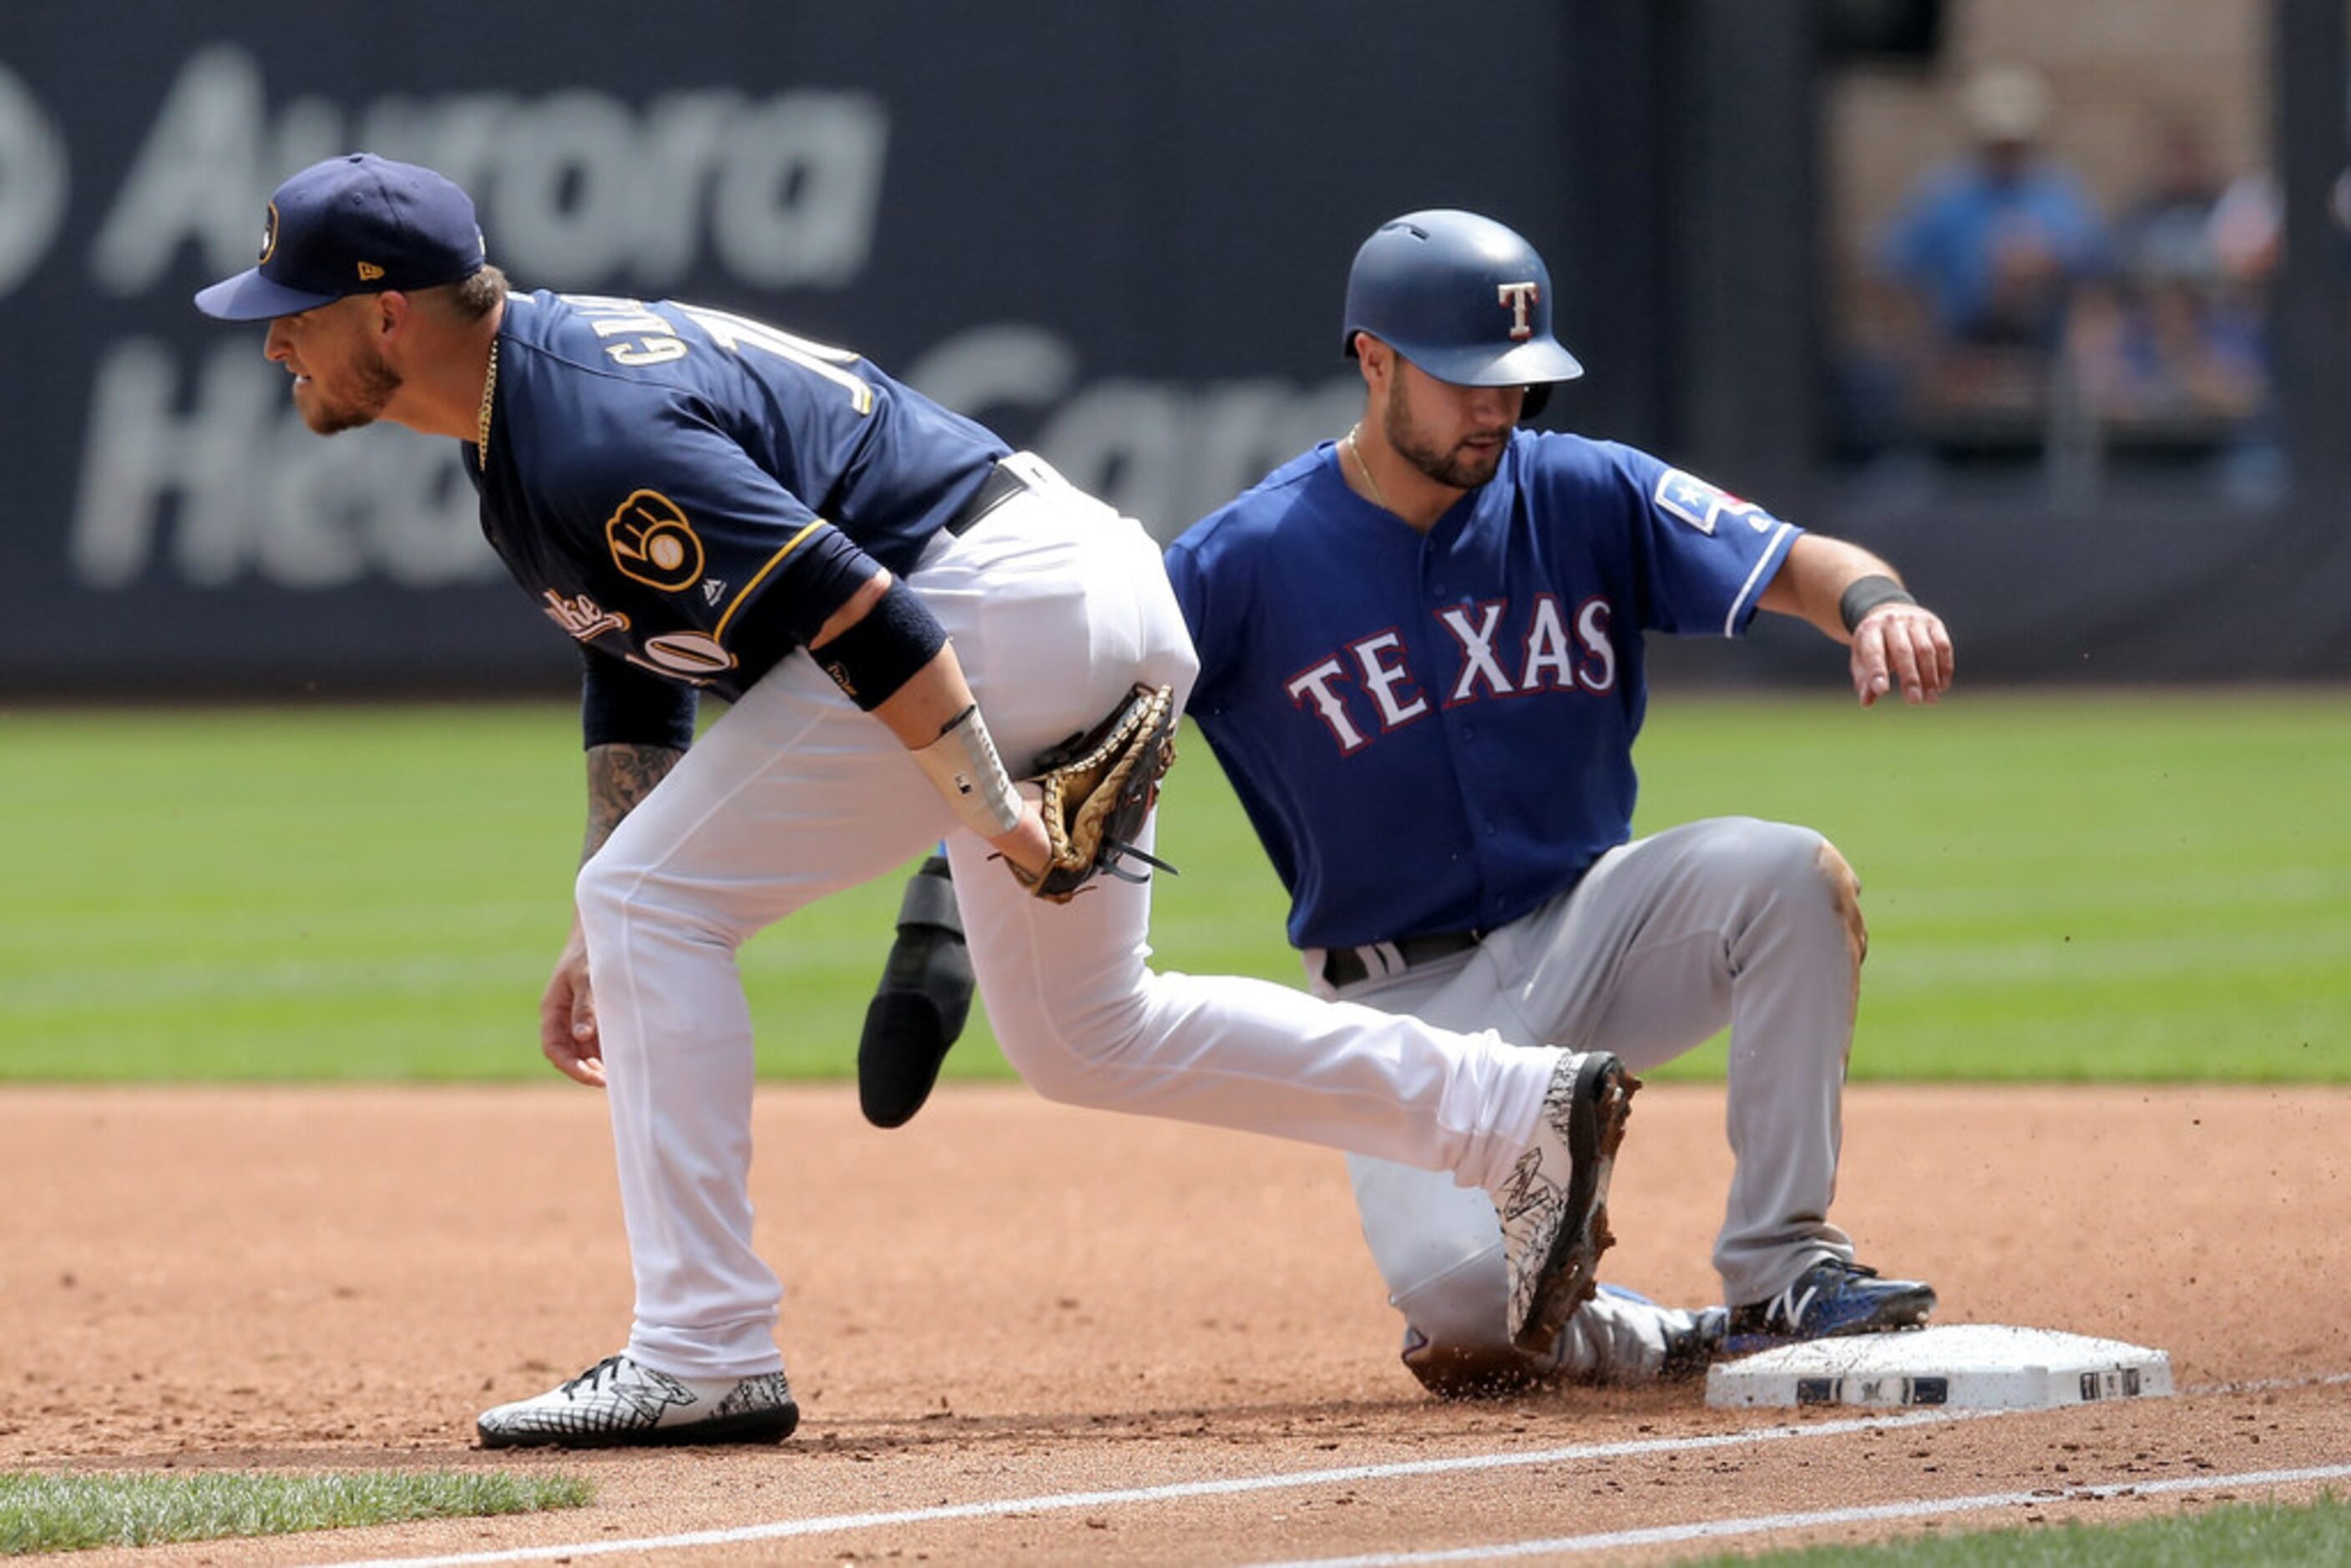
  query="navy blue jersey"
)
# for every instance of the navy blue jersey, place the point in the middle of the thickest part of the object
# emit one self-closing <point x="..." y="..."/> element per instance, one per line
<point x="1435" y="733"/>
<point x="694" y="493"/>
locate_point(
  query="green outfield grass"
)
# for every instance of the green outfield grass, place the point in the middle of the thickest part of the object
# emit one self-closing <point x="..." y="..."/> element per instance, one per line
<point x="44" y="1513"/>
<point x="2239" y="1534"/>
<point x="2067" y="887"/>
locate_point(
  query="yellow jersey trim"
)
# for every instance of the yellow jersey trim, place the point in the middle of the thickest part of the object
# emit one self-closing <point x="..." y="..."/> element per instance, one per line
<point x="718" y="632"/>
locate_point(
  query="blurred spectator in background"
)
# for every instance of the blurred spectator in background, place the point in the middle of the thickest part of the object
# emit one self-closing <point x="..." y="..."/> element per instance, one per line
<point x="2246" y="232"/>
<point x="1991" y="248"/>
<point x="2167" y="354"/>
<point x="2166" y="229"/>
<point x="2248" y="227"/>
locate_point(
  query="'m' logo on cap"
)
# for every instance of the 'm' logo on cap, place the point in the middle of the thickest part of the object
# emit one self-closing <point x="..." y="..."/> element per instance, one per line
<point x="369" y="272"/>
<point x="269" y="232"/>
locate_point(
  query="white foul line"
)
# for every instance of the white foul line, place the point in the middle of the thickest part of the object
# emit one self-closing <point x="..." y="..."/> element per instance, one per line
<point x="828" y="1524"/>
<point x="1714" y="1530"/>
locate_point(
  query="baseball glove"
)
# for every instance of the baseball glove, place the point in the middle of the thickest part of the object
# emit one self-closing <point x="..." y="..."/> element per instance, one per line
<point x="1098" y="788"/>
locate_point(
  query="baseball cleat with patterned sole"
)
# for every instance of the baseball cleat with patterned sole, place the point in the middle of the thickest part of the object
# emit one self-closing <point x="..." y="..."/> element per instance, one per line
<point x="1554" y="1205"/>
<point x="620" y="1403"/>
<point x="1831" y="1299"/>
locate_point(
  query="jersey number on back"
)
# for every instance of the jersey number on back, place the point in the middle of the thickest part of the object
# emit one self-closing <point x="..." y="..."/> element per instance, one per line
<point x="636" y="335"/>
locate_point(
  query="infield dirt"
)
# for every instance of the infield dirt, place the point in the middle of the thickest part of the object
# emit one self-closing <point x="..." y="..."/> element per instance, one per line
<point x="1010" y="1300"/>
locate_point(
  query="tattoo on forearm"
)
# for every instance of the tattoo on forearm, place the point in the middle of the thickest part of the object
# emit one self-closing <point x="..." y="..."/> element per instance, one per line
<point x="618" y="777"/>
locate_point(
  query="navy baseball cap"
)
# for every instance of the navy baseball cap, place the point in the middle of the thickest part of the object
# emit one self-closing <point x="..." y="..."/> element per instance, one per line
<point x="354" y="225"/>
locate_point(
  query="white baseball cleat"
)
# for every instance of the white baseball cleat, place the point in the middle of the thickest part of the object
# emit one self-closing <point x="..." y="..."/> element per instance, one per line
<point x="620" y="1402"/>
<point x="1554" y="1206"/>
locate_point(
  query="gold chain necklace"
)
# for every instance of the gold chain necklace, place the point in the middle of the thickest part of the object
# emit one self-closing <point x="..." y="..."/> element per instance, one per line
<point x="1366" y="470"/>
<point x="489" y="394"/>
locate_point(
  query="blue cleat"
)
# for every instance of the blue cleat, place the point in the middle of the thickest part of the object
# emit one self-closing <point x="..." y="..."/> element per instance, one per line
<point x="1830" y="1298"/>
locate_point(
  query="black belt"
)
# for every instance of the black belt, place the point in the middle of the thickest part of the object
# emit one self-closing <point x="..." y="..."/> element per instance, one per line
<point x="1345" y="966"/>
<point x="1000" y="486"/>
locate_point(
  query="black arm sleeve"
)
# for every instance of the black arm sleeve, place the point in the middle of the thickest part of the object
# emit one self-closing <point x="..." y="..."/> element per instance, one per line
<point x="620" y="704"/>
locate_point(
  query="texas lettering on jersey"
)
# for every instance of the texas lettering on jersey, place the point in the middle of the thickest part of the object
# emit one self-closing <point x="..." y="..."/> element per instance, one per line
<point x="1500" y="655"/>
<point x="1432" y="730"/>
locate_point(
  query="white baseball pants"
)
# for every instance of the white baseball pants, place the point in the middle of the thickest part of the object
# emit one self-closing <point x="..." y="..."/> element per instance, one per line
<point x="1055" y="606"/>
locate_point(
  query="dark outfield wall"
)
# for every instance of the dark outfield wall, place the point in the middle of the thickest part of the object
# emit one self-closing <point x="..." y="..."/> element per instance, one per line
<point x="1118" y="232"/>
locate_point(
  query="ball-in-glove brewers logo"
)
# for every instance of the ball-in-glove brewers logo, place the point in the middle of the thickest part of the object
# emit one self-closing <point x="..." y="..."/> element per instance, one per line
<point x="652" y="542"/>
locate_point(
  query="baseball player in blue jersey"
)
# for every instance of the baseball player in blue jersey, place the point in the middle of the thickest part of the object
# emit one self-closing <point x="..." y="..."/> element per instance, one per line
<point x="890" y="601"/>
<point x="1421" y="666"/>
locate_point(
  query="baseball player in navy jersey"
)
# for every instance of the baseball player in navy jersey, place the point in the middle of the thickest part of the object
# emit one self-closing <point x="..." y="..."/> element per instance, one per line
<point x="1421" y="666"/>
<point x="891" y="602"/>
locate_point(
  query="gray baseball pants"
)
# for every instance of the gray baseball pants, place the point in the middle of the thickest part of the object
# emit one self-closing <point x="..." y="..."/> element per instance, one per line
<point x="1729" y="921"/>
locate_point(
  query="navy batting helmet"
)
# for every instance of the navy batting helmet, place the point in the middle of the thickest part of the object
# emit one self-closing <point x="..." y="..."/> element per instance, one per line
<point x="1462" y="296"/>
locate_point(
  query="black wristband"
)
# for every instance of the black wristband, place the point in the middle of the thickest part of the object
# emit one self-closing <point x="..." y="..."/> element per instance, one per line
<point x="882" y="652"/>
<point x="1865" y="594"/>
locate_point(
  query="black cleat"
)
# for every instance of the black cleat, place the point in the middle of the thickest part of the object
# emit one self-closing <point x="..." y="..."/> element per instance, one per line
<point x="920" y="1008"/>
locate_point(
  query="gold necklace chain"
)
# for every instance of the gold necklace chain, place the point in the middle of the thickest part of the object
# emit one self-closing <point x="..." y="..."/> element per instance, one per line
<point x="489" y="394"/>
<point x="1366" y="470"/>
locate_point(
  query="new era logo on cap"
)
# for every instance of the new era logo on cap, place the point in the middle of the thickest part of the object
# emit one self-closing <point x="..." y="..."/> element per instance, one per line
<point x="354" y="225"/>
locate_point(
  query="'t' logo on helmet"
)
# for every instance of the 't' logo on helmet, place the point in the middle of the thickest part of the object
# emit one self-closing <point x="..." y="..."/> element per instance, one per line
<point x="1518" y="299"/>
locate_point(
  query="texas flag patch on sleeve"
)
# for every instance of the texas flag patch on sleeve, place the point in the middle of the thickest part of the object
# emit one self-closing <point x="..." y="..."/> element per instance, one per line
<point x="1697" y="503"/>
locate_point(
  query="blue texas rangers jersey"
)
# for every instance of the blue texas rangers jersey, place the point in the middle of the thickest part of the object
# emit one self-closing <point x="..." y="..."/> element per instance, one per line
<point x="694" y="493"/>
<point x="1435" y="733"/>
